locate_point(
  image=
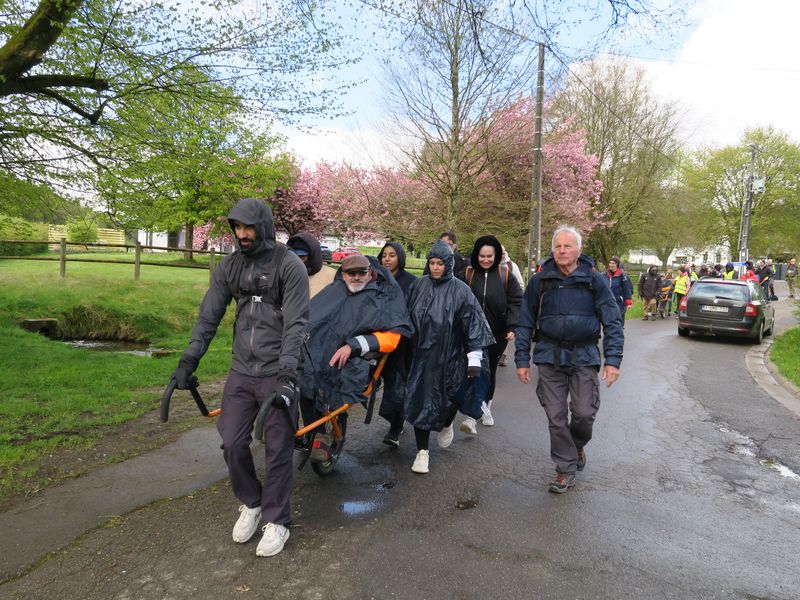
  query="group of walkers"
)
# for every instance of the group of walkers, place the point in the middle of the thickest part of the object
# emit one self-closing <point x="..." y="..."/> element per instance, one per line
<point x="304" y="334"/>
<point x="662" y="293"/>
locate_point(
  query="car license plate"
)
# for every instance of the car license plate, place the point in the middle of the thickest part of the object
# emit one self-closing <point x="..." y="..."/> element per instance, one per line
<point x="717" y="309"/>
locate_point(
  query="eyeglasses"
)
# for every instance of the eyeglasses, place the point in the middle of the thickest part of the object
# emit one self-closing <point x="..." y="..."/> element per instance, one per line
<point x="352" y="272"/>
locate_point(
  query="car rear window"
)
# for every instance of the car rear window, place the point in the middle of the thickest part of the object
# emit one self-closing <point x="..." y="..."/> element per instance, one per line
<point x="721" y="290"/>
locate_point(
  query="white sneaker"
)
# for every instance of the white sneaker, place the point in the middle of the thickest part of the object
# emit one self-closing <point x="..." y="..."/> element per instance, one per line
<point x="468" y="426"/>
<point x="421" y="462"/>
<point x="445" y="437"/>
<point x="246" y="524"/>
<point x="272" y="541"/>
<point x="487" y="420"/>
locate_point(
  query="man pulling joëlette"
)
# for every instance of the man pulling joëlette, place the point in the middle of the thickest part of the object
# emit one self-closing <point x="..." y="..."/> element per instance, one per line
<point x="270" y="287"/>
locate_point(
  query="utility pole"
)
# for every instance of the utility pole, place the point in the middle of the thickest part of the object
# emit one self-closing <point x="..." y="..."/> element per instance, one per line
<point x="536" y="186"/>
<point x="747" y="210"/>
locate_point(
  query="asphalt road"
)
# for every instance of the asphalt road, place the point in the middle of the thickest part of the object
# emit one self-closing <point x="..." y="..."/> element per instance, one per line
<point x="690" y="492"/>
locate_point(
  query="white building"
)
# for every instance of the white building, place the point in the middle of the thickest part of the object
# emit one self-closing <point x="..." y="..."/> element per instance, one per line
<point x="162" y="239"/>
<point x="712" y="255"/>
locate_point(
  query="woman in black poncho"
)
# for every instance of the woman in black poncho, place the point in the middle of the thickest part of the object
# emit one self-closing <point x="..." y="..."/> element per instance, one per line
<point x="450" y="333"/>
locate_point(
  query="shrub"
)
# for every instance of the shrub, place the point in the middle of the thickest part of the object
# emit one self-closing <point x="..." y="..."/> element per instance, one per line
<point x="81" y="231"/>
<point x="12" y="228"/>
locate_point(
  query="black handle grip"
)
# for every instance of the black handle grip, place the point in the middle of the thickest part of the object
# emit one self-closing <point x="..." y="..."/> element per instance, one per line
<point x="166" y="398"/>
<point x="197" y="398"/>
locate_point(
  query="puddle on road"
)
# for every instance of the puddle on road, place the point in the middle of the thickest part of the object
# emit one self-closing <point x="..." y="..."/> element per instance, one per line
<point x="773" y="464"/>
<point x="744" y="446"/>
<point x="466" y="504"/>
<point x="358" y="508"/>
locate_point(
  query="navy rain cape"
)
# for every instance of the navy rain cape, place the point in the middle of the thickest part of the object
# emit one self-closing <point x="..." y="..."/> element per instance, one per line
<point x="336" y="316"/>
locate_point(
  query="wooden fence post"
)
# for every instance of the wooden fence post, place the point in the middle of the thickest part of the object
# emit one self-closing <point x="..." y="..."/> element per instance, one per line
<point x="63" y="252"/>
<point x="137" y="261"/>
<point x="211" y="266"/>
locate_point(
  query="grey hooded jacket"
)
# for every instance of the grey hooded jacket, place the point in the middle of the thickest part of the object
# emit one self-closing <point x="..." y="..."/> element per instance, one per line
<point x="271" y="300"/>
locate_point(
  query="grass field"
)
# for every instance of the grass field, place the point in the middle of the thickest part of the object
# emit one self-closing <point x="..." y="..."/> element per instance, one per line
<point x="785" y="353"/>
<point x="53" y="395"/>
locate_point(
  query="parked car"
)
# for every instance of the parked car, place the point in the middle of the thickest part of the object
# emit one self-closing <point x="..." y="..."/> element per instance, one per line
<point x="341" y="253"/>
<point x="726" y="307"/>
<point x="327" y="255"/>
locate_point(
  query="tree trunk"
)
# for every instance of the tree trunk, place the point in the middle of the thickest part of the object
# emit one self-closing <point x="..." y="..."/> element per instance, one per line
<point x="28" y="46"/>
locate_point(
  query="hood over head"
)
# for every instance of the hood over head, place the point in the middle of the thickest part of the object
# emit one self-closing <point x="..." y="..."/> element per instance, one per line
<point x="309" y="243"/>
<point x="442" y="251"/>
<point x="486" y="240"/>
<point x="652" y="270"/>
<point x="252" y="211"/>
<point x="399" y="250"/>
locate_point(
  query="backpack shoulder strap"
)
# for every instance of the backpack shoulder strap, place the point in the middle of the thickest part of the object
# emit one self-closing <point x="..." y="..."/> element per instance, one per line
<point x="272" y="271"/>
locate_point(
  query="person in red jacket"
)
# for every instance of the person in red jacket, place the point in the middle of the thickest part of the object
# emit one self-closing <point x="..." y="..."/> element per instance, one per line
<point x="621" y="286"/>
<point x="749" y="272"/>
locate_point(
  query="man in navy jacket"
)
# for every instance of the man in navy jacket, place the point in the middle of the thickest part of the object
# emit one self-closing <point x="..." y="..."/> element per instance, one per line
<point x="563" y="309"/>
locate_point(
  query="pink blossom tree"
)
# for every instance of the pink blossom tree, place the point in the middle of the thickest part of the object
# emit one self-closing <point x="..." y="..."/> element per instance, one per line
<point x="502" y="190"/>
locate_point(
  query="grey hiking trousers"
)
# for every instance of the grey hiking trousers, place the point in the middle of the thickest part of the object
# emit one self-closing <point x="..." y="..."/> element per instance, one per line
<point x="570" y="401"/>
<point x="240" y="403"/>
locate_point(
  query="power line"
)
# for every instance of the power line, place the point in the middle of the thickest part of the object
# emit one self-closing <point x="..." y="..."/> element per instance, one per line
<point x="672" y="61"/>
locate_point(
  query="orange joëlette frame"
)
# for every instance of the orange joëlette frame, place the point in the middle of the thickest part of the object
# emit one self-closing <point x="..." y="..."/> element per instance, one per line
<point x="346" y="405"/>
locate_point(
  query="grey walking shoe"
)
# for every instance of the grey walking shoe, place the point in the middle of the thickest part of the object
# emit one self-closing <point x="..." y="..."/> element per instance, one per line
<point x="562" y="483"/>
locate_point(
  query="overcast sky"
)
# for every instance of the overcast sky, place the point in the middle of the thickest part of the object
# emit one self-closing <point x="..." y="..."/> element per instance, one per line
<point x="736" y="66"/>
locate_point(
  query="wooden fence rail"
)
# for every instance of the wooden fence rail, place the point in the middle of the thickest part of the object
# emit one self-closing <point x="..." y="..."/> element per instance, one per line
<point x="137" y="259"/>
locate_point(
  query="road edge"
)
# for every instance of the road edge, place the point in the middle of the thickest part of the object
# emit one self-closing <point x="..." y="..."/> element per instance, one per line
<point x="766" y="375"/>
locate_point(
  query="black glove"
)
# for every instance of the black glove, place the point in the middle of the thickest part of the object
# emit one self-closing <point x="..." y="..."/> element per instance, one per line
<point x="284" y="392"/>
<point x="473" y="372"/>
<point x="183" y="374"/>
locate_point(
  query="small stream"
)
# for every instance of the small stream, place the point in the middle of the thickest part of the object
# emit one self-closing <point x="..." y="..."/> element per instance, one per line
<point x="122" y="346"/>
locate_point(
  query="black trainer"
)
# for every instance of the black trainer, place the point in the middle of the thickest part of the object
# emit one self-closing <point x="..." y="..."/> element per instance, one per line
<point x="581" y="459"/>
<point x="392" y="439"/>
<point x="562" y="483"/>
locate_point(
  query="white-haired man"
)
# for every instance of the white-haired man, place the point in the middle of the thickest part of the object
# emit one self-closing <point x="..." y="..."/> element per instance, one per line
<point x="563" y="309"/>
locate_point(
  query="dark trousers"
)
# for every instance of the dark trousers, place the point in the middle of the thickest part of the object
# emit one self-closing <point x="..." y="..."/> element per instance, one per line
<point x="240" y="402"/>
<point x="570" y="401"/>
<point x="494" y="352"/>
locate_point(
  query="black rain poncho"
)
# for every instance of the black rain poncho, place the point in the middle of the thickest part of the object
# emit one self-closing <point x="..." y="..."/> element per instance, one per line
<point x="336" y="316"/>
<point x="395" y="372"/>
<point x="448" y="323"/>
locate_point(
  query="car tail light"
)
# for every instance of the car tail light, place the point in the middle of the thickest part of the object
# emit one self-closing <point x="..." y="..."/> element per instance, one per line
<point x="750" y="310"/>
<point x="684" y="304"/>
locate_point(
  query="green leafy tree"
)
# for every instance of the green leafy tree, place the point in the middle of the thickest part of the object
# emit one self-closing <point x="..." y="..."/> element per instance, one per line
<point x="721" y="174"/>
<point x="678" y="218"/>
<point x="34" y="202"/>
<point x="81" y="230"/>
<point x="190" y="167"/>
<point x="70" y="68"/>
<point x="13" y="228"/>
<point x="632" y="133"/>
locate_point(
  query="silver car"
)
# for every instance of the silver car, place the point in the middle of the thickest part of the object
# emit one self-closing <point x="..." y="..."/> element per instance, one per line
<point x="726" y="307"/>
